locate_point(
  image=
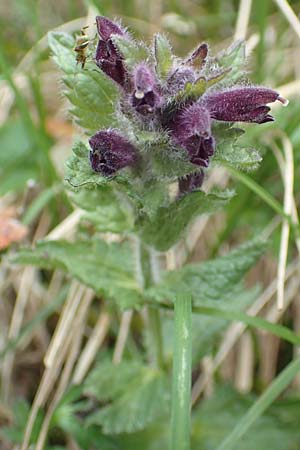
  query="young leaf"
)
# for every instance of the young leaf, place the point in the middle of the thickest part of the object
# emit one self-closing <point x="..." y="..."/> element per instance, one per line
<point x="138" y="395"/>
<point x="91" y="93"/>
<point x="131" y="51"/>
<point x="107" y="268"/>
<point x="168" y="225"/>
<point x="209" y="281"/>
<point x="234" y="59"/>
<point x="163" y="55"/>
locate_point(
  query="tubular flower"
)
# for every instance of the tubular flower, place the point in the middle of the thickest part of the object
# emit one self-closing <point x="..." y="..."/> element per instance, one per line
<point x="242" y="104"/>
<point x="107" y="57"/>
<point x="192" y="131"/>
<point x="110" y="152"/>
<point x="145" y="97"/>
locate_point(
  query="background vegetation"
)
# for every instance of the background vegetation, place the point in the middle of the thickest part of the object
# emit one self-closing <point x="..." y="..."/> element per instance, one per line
<point x="55" y="333"/>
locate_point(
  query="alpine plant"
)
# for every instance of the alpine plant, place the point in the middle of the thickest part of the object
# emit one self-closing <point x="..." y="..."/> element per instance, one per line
<point x="171" y="104"/>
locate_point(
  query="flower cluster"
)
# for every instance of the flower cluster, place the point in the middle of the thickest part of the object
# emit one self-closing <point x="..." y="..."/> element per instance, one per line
<point x="183" y="105"/>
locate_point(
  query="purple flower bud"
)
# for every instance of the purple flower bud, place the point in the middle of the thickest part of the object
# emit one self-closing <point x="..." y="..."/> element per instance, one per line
<point x="198" y="57"/>
<point x="107" y="27"/>
<point x="192" y="130"/>
<point x="107" y="56"/>
<point x="190" y="182"/>
<point x="146" y="97"/>
<point x="111" y="152"/>
<point x="243" y="104"/>
<point x="179" y="78"/>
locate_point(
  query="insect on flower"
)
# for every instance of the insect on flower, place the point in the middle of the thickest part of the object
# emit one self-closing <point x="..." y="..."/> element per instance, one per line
<point x="81" y="47"/>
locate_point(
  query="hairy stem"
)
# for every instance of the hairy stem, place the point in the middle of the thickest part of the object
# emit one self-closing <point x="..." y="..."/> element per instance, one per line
<point x="181" y="387"/>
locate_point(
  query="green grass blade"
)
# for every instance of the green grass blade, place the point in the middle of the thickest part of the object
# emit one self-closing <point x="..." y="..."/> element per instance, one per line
<point x="256" y="322"/>
<point x="261" y="192"/>
<point x="260" y="406"/>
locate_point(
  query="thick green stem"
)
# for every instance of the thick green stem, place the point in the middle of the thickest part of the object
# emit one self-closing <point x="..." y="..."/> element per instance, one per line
<point x="182" y="374"/>
<point x="146" y="274"/>
<point x="155" y="335"/>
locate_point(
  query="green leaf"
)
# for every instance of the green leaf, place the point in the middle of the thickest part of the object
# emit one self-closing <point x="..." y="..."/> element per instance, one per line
<point x="163" y="55"/>
<point x="132" y="52"/>
<point x="256" y="322"/>
<point x="276" y="429"/>
<point x="138" y="395"/>
<point x="239" y="157"/>
<point x="169" y="163"/>
<point x="233" y="58"/>
<point x="229" y="152"/>
<point x="79" y="172"/>
<point x="104" y="208"/>
<point x="209" y="281"/>
<point x="168" y="225"/>
<point x="107" y="268"/>
<point x="91" y="93"/>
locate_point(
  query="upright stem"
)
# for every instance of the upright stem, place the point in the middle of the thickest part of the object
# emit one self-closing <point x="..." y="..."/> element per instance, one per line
<point x="147" y="274"/>
<point x="182" y="374"/>
<point x="156" y="336"/>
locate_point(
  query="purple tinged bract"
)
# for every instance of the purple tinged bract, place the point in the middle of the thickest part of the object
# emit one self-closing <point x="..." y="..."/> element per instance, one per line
<point x="107" y="57"/>
<point x="110" y="152"/>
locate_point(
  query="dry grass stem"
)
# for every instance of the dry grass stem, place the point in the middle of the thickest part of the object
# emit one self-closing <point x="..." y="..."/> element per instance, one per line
<point x="242" y="22"/>
<point x="244" y="364"/>
<point x="66" y="228"/>
<point x="122" y="336"/>
<point x="92" y="347"/>
<point x="74" y="348"/>
<point x="65" y="322"/>
<point x="289" y="15"/>
<point x="287" y="207"/>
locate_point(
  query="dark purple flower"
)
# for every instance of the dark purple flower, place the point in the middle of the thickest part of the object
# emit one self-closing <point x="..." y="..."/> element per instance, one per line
<point x="146" y="97"/>
<point x="242" y="104"/>
<point x="111" y="152"/>
<point x="192" y="131"/>
<point x="107" y="56"/>
<point x="190" y="182"/>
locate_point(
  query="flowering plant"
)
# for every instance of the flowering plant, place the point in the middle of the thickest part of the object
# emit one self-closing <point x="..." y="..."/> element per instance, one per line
<point x="155" y="125"/>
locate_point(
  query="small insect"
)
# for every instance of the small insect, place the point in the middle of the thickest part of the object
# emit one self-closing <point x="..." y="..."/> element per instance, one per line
<point x="81" y="47"/>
